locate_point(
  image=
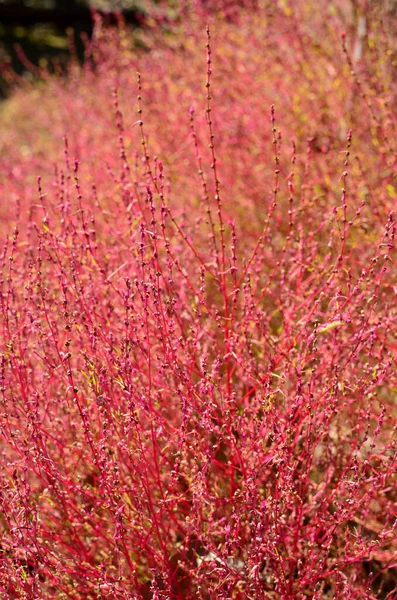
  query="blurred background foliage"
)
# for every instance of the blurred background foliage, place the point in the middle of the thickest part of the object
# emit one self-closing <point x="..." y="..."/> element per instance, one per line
<point x="42" y="32"/>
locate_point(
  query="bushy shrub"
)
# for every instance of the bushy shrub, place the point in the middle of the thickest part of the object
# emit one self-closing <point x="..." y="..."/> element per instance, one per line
<point x="198" y="318"/>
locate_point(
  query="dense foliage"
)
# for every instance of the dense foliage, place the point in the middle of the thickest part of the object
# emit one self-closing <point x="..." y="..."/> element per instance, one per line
<point x="198" y="311"/>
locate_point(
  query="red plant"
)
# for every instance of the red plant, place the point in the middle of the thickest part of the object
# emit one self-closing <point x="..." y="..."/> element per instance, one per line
<point x="198" y="374"/>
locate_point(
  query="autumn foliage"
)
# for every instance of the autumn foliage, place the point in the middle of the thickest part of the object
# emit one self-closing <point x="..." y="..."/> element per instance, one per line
<point x="198" y="311"/>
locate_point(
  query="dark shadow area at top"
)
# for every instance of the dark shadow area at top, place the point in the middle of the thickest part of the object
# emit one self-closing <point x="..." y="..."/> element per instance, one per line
<point x="42" y="31"/>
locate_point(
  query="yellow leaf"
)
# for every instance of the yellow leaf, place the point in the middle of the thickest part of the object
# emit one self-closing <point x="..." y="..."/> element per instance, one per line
<point x="330" y="326"/>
